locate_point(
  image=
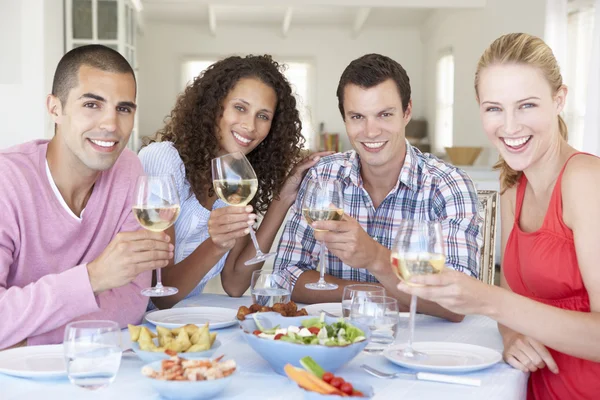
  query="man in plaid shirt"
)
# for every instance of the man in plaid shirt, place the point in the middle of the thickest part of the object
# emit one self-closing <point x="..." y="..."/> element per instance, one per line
<point x="384" y="180"/>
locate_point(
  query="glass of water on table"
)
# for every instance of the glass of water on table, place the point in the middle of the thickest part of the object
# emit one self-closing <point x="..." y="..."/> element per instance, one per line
<point x="360" y="291"/>
<point x="380" y="315"/>
<point x="92" y="353"/>
<point x="268" y="288"/>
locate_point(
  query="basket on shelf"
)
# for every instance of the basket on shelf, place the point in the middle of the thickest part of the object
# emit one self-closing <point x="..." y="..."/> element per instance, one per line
<point x="463" y="155"/>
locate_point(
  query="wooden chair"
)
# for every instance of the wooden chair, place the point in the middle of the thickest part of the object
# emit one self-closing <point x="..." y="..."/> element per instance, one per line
<point x="488" y="200"/>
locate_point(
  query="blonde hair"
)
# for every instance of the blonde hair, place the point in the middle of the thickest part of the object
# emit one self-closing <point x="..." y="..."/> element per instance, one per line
<point x="521" y="48"/>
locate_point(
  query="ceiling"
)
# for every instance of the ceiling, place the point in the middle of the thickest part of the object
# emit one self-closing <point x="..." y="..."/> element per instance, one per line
<point x="355" y="14"/>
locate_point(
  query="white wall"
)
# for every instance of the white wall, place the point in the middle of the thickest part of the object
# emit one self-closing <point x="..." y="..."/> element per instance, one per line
<point x="468" y="33"/>
<point x="162" y="48"/>
<point x="30" y="49"/>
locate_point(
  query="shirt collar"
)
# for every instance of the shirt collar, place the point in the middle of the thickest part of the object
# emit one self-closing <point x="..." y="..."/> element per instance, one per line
<point x="408" y="173"/>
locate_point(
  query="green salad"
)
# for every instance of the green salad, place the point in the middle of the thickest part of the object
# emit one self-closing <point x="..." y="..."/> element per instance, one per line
<point x="313" y="331"/>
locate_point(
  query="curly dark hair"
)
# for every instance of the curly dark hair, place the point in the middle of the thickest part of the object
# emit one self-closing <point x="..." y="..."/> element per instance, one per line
<point x="193" y="123"/>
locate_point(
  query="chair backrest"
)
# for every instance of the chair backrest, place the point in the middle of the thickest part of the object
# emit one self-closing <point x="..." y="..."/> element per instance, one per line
<point x="487" y="210"/>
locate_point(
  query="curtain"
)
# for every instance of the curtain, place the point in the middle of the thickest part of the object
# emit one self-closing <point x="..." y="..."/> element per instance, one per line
<point x="591" y="132"/>
<point x="555" y="31"/>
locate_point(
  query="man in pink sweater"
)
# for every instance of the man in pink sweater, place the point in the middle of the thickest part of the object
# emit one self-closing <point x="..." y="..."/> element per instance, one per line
<point x="70" y="248"/>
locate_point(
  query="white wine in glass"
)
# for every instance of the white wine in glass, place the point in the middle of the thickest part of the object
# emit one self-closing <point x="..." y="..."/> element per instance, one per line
<point x="156" y="209"/>
<point x="418" y="249"/>
<point x="235" y="182"/>
<point x="323" y="201"/>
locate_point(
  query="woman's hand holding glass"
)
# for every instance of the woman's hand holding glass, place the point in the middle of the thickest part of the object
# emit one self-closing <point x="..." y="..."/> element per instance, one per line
<point x="453" y="290"/>
<point x="235" y="182"/>
<point x="227" y="224"/>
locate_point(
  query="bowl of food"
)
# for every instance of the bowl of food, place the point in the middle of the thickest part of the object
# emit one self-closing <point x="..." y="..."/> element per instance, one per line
<point x="319" y="384"/>
<point x="183" y="379"/>
<point x="331" y="342"/>
<point x="187" y="341"/>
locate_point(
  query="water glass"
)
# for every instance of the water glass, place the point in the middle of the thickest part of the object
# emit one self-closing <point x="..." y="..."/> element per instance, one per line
<point x="380" y="315"/>
<point x="268" y="288"/>
<point x="358" y="291"/>
<point x="92" y="353"/>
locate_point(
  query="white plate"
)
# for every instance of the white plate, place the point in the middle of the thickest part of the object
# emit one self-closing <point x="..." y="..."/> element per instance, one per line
<point x="333" y="308"/>
<point x="41" y="362"/>
<point x="217" y="317"/>
<point x="445" y="357"/>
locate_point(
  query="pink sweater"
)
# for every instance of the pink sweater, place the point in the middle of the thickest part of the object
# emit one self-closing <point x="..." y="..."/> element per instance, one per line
<point x="44" y="282"/>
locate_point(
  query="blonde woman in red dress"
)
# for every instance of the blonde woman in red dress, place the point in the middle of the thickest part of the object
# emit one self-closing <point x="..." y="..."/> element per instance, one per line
<point x="548" y="304"/>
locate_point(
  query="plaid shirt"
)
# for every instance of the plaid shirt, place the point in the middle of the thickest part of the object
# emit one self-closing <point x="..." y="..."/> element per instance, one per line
<point x="427" y="189"/>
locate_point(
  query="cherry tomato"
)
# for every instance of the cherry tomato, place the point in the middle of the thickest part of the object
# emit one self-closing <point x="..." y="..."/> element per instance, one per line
<point x="278" y="336"/>
<point x="256" y="332"/>
<point x="314" y="330"/>
<point x="327" y="377"/>
<point x="337" y="382"/>
<point x="347" y="388"/>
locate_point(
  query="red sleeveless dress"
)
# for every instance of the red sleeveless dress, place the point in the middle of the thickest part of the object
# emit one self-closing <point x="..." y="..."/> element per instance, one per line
<point x="543" y="266"/>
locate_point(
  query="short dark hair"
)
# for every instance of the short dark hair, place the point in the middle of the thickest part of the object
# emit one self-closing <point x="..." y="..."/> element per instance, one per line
<point x="371" y="70"/>
<point x="93" y="55"/>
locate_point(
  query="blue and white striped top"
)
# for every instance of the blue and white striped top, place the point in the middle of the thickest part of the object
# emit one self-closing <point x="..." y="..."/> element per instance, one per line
<point x="191" y="228"/>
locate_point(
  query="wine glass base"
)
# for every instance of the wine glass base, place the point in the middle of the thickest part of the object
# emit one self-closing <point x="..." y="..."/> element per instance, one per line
<point x="414" y="355"/>
<point x="321" y="286"/>
<point x="159" y="291"/>
<point x="260" y="258"/>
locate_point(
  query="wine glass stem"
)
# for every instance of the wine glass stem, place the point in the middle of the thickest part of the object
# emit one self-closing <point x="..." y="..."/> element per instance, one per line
<point x="159" y="284"/>
<point x="411" y="322"/>
<point x="253" y="236"/>
<point x="322" y="262"/>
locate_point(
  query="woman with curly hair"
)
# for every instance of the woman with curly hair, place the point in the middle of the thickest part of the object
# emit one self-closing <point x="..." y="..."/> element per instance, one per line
<point x="237" y="104"/>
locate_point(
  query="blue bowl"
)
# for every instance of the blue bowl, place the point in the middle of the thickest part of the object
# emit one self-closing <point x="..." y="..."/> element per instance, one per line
<point x="151" y="356"/>
<point x="278" y="353"/>
<point x="365" y="389"/>
<point x="188" y="390"/>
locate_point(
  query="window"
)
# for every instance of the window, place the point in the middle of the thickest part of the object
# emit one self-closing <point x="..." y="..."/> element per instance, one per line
<point x="580" y="29"/>
<point x="444" y="101"/>
<point x="297" y="73"/>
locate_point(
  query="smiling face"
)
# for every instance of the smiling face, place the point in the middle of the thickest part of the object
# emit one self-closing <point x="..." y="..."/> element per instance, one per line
<point x="376" y="124"/>
<point x="248" y="112"/>
<point x="94" y="124"/>
<point x="519" y="112"/>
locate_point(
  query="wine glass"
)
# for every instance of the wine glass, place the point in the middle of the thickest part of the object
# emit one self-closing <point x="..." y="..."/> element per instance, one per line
<point x="360" y="291"/>
<point x="156" y="209"/>
<point x="380" y="315"/>
<point x="323" y="201"/>
<point x="236" y="184"/>
<point x="92" y="352"/>
<point x="418" y="249"/>
<point x="268" y="288"/>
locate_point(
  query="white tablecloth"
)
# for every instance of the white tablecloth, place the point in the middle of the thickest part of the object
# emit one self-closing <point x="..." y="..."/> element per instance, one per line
<point x="256" y="380"/>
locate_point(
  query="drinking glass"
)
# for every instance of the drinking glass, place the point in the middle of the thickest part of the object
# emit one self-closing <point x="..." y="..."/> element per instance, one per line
<point x="418" y="249"/>
<point x="323" y="201"/>
<point x="268" y="288"/>
<point x="156" y="209"/>
<point x="380" y="315"/>
<point x="360" y="291"/>
<point x="236" y="184"/>
<point x="92" y="353"/>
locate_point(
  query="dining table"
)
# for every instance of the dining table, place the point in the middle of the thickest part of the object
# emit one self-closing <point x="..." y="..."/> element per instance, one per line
<point x="255" y="379"/>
